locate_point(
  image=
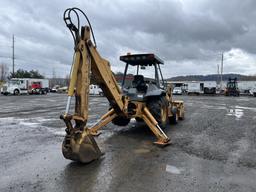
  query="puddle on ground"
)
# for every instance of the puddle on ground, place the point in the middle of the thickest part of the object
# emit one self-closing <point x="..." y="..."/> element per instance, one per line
<point x="238" y="113"/>
<point x="247" y="108"/>
<point x="172" y="169"/>
<point x="141" y="151"/>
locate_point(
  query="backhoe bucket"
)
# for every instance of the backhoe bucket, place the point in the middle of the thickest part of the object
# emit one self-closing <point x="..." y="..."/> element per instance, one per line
<point x="80" y="146"/>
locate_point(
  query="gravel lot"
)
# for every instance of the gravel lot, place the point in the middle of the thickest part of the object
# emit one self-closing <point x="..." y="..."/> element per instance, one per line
<point x="213" y="149"/>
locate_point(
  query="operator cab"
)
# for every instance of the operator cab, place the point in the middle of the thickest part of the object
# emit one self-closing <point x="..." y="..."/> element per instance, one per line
<point x="139" y="83"/>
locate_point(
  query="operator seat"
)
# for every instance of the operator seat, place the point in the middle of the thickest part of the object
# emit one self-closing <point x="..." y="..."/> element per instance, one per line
<point x="139" y="83"/>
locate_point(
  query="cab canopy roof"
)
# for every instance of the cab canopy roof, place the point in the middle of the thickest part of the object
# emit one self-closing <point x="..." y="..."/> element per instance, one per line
<point x="141" y="59"/>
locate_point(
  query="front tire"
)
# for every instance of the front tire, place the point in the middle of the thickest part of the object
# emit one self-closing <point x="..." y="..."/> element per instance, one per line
<point x="16" y="92"/>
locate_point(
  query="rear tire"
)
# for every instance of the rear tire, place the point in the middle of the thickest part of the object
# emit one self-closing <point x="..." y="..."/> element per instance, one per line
<point x="158" y="107"/>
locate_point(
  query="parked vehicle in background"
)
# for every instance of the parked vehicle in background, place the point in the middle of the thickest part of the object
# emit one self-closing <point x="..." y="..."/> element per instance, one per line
<point x="210" y="87"/>
<point x="177" y="91"/>
<point x="62" y="89"/>
<point x="95" y="90"/>
<point x="194" y="88"/>
<point x="246" y="86"/>
<point x="17" y="86"/>
<point x="54" y="89"/>
<point x="253" y="92"/>
<point x="1" y="86"/>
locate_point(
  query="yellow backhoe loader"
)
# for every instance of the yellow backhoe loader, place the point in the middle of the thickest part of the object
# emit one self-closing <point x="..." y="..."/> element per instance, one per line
<point x="145" y="99"/>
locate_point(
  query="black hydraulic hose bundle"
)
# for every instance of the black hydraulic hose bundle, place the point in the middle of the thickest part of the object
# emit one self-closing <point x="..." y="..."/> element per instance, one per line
<point x="76" y="29"/>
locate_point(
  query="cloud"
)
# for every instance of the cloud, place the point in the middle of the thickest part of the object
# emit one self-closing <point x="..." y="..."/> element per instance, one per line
<point x="187" y="35"/>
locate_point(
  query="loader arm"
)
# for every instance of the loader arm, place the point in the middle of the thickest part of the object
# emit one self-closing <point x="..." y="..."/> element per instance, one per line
<point x="79" y="144"/>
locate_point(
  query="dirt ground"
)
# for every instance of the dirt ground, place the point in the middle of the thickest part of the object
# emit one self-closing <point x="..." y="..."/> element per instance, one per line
<point x="214" y="149"/>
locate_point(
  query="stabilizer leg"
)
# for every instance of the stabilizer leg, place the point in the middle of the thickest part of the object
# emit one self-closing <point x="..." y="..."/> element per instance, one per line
<point x="104" y="120"/>
<point x="155" y="128"/>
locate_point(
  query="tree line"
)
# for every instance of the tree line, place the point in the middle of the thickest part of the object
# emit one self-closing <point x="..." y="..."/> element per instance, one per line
<point x="20" y="73"/>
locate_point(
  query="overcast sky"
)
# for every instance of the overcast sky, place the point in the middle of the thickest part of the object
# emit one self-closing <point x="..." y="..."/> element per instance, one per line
<point x="188" y="35"/>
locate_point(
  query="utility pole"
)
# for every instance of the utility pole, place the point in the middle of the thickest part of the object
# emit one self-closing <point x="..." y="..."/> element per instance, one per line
<point x="218" y="73"/>
<point x="221" y="70"/>
<point x="13" y="55"/>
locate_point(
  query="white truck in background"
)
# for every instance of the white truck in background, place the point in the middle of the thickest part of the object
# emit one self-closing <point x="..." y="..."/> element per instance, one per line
<point x="194" y="88"/>
<point x="95" y="90"/>
<point x="246" y="86"/>
<point x="17" y="86"/>
<point x="210" y="87"/>
<point x="177" y="91"/>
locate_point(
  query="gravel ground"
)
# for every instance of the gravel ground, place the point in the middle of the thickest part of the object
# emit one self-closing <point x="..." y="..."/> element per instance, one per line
<point x="213" y="149"/>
